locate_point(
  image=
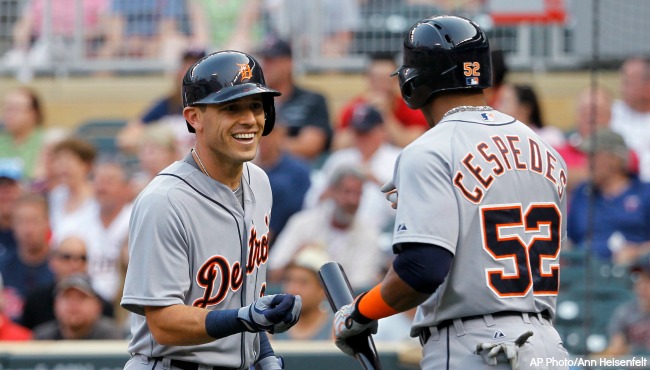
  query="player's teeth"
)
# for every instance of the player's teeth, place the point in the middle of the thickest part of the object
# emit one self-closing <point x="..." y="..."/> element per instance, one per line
<point x="244" y="136"/>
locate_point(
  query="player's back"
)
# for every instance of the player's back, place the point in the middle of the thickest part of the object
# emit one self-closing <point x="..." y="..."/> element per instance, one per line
<point x="506" y="227"/>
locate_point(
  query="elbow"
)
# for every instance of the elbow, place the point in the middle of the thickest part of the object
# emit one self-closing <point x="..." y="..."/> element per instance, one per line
<point x="161" y="336"/>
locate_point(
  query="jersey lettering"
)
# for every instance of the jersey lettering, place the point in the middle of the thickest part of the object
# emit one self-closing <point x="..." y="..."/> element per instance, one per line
<point x="231" y="275"/>
<point x="484" y="166"/>
<point x="543" y="221"/>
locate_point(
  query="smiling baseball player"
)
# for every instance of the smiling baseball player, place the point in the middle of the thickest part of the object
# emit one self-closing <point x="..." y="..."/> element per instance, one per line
<point x="198" y="242"/>
<point x="480" y="202"/>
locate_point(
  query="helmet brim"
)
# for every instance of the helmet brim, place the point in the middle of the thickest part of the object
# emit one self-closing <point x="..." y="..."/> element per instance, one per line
<point x="236" y="92"/>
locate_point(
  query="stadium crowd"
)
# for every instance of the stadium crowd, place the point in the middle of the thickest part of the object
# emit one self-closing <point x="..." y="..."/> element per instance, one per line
<point x="65" y="201"/>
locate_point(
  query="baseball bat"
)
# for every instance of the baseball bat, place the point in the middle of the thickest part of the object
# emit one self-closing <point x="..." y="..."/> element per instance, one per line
<point x="339" y="293"/>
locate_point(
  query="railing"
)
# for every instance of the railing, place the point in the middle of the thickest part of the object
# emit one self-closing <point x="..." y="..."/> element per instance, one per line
<point x="326" y="34"/>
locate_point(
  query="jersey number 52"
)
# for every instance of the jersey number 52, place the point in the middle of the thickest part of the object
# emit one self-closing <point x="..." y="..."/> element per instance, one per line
<point x="502" y="242"/>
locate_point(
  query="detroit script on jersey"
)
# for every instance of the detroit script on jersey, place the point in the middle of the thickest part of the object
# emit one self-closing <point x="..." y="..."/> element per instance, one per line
<point x="231" y="274"/>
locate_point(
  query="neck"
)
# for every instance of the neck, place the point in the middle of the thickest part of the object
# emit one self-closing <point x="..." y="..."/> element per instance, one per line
<point x="436" y="109"/>
<point x="108" y="214"/>
<point x="226" y="173"/>
<point x="614" y="185"/>
<point x="33" y="256"/>
<point x="311" y="321"/>
<point x="80" y="332"/>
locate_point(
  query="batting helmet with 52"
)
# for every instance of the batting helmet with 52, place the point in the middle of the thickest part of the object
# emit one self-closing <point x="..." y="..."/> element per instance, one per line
<point x="443" y="53"/>
<point x="224" y="76"/>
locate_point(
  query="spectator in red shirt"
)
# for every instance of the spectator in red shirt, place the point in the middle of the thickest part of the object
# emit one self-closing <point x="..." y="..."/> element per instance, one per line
<point x="8" y="329"/>
<point x="402" y="124"/>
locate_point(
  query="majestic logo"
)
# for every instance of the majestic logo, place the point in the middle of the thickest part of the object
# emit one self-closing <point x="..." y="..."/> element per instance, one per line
<point x="217" y="276"/>
<point x="245" y="71"/>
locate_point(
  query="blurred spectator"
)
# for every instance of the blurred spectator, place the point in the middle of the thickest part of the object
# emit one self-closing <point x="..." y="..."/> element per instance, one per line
<point x="521" y="102"/>
<point x="23" y="135"/>
<point x="499" y="73"/>
<point x="289" y="177"/>
<point x="620" y="213"/>
<point x="593" y="112"/>
<point x="631" y="114"/>
<point x="303" y="112"/>
<point x="10" y="190"/>
<point x="10" y="331"/>
<point x="629" y="326"/>
<point x="334" y="225"/>
<point x="72" y="200"/>
<point x="401" y="123"/>
<point x="47" y="29"/>
<point x="67" y="258"/>
<point x="28" y="268"/>
<point x="157" y="149"/>
<point x="78" y="312"/>
<point x="165" y="111"/>
<point x="328" y="23"/>
<point x="44" y="174"/>
<point x="153" y="29"/>
<point x="301" y="278"/>
<point x="233" y="24"/>
<point x="374" y="156"/>
<point x="105" y="227"/>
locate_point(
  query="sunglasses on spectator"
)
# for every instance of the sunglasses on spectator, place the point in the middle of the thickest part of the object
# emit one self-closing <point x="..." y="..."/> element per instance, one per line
<point x="70" y="257"/>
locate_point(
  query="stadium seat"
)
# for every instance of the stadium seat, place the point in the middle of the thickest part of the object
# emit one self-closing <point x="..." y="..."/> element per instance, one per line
<point x="102" y="133"/>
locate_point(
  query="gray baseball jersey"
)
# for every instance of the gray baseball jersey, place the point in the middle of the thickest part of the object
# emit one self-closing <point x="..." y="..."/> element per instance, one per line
<point x="191" y="243"/>
<point x="492" y="192"/>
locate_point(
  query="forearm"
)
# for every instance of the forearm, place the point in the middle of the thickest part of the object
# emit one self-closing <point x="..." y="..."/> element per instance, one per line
<point x="398" y="294"/>
<point x="178" y="325"/>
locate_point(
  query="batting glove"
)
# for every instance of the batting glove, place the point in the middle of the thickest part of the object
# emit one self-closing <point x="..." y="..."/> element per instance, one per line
<point x="391" y="193"/>
<point x="272" y="313"/>
<point x="348" y="322"/>
<point x="269" y="363"/>
<point x="490" y="351"/>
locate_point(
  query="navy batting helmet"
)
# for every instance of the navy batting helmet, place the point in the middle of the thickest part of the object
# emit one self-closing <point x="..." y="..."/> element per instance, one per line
<point x="224" y="76"/>
<point x="443" y="53"/>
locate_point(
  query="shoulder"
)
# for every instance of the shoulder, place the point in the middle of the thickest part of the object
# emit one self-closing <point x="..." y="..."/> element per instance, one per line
<point x="47" y="330"/>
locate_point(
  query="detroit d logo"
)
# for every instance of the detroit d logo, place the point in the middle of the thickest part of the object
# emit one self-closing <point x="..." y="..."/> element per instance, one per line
<point x="245" y="71"/>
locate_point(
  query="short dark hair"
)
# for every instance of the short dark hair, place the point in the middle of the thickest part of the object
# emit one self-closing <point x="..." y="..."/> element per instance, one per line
<point x="83" y="149"/>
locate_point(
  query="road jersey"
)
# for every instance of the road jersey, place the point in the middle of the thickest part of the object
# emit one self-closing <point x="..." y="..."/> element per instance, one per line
<point x="488" y="189"/>
<point x="191" y="243"/>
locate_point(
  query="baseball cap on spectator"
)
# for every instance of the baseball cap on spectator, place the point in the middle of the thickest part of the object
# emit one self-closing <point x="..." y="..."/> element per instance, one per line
<point x="11" y="168"/>
<point x="606" y="140"/>
<point x="81" y="282"/>
<point x="642" y="264"/>
<point x="310" y="257"/>
<point x="365" y="117"/>
<point x="274" y="47"/>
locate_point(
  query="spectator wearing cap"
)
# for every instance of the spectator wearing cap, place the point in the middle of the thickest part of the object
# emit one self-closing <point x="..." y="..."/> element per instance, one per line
<point x="621" y="203"/>
<point x="334" y="224"/>
<point x="69" y="257"/>
<point x="401" y="123"/>
<point x="28" y="268"/>
<point x="22" y="135"/>
<point x="166" y="110"/>
<point x="289" y="175"/>
<point x="371" y="153"/>
<point x="629" y="326"/>
<point x="301" y="278"/>
<point x="10" y="190"/>
<point x="303" y="112"/>
<point x="8" y="329"/>
<point x="78" y="313"/>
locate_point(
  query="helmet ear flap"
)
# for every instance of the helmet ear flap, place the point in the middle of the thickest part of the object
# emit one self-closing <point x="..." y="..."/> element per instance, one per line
<point x="269" y="114"/>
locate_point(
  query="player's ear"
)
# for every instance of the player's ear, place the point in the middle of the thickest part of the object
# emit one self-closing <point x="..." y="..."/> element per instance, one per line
<point x="193" y="117"/>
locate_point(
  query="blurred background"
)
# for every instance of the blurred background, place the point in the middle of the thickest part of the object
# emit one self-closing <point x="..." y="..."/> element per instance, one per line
<point x="107" y="73"/>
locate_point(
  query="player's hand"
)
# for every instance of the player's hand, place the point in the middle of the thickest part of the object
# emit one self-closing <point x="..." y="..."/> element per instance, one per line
<point x="391" y="193"/>
<point x="269" y="363"/>
<point x="348" y="322"/>
<point x="272" y="313"/>
<point x="490" y="350"/>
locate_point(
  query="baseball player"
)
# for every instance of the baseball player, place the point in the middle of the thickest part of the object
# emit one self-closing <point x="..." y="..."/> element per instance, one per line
<point x="480" y="202"/>
<point x="199" y="234"/>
